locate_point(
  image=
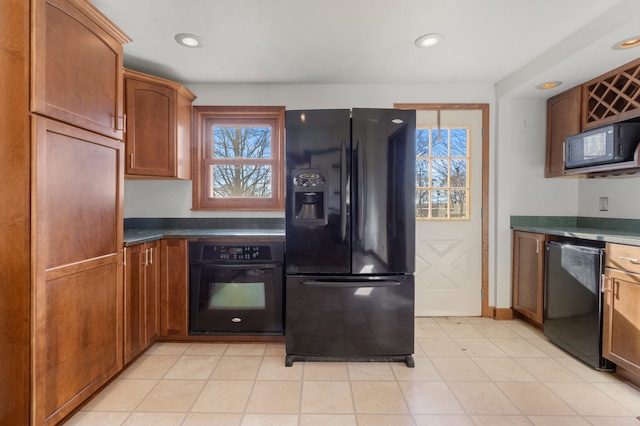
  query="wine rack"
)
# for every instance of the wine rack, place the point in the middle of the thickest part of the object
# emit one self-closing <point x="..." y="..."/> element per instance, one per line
<point x="612" y="97"/>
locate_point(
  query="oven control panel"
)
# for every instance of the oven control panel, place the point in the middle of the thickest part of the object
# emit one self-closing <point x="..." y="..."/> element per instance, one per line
<point x="238" y="253"/>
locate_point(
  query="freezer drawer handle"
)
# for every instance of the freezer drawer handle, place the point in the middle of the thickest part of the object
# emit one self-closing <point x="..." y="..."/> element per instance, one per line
<point x="351" y="284"/>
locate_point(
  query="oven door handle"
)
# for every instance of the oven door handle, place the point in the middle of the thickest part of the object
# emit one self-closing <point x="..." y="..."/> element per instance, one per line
<point x="351" y="284"/>
<point x="218" y="265"/>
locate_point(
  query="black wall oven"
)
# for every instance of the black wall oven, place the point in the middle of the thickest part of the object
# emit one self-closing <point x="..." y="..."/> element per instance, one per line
<point x="235" y="288"/>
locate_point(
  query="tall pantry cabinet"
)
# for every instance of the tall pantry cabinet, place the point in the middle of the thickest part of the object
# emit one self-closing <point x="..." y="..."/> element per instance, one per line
<point x="61" y="219"/>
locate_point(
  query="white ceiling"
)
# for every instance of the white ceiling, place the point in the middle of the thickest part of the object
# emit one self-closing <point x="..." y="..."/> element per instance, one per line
<point x="513" y="44"/>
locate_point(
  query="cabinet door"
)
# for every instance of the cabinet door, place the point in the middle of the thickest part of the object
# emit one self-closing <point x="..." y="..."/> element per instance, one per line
<point x="151" y="129"/>
<point x="528" y="275"/>
<point x="152" y="292"/>
<point x="621" y="319"/>
<point x="77" y="66"/>
<point x="134" y="302"/>
<point x="77" y="287"/>
<point x="173" y="288"/>
<point x="563" y="119"/>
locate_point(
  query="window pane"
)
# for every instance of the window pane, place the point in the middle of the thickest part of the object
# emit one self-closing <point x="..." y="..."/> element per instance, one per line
<point x="422" y="173"/>
<point x="422" y="142"/>
<point x="439" y="173"/>
<point x="458" y="173"/>
<point x="422" y="203"/>
<point x="439" y="203"/>
<point x="459" y="141"/>
<point x="459" y="203"/>
<point x="439" y="142"/>
<point x="241" y="142"/>
<point x="241" y="181"/>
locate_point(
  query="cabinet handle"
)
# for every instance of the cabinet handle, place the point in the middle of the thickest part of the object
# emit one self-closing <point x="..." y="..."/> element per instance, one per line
<point x="146" y="257"/>
<point x="151" y="256"/>
<point x="630" y="259"/>
<point x="537" y="246"/>
<point x="605" y="284"/>
<point x="131" y="161"/>
<point x="124" y="256"/>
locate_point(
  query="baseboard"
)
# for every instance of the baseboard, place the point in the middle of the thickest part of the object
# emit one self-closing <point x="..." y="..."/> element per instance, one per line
<point x="502" y="314"/>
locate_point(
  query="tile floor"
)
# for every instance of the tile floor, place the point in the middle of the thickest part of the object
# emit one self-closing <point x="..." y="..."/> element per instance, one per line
<point x="469" y="371"/>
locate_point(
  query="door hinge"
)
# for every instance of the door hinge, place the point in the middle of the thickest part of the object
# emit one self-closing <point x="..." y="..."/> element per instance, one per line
<point x="482" y="294"/>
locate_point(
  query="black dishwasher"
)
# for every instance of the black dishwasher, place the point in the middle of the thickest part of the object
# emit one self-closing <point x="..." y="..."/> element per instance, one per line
<point x="573" y="301"/>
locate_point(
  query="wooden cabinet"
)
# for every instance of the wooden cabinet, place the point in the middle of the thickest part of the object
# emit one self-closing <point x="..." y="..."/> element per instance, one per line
<point x="621" y="318"/>
<point x="141" y="298"/>
<point x="174" y="288"/>
<point x="612" y="97"/>
<point x="62" y="170"/>
<point x="528" y="275"/>
<point x="563" y="120"/>
<point x="158" y="136"/>
<point x="77" y="66"/>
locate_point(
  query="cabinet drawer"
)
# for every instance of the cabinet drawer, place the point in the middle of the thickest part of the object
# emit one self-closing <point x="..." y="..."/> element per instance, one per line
<point x="627" y="258"/>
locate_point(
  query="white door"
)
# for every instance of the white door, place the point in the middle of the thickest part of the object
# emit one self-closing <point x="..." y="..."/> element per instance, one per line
<point x="449" y="223"/>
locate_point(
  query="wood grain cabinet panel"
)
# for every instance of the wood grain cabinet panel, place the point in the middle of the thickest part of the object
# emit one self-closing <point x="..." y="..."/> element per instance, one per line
<point x="528" y="275"/>
<point x="158" y="137"/>
<point x="141" y="298"/>
<point x="77" y="66"/>
<point x="621" y="317"/>
<point x="62" y="170"/>
<point x="77" y="292"/>
<point x="173" y="288"/>
<point x="563" y="120"/>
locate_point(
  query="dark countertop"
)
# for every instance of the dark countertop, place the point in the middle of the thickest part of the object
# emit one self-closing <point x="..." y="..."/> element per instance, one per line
<point x="139" y="230"/>
<point x="619" y="231"/>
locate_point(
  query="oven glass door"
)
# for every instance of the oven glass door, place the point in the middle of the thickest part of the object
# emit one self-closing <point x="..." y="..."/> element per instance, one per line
<point x="236" y="298"/>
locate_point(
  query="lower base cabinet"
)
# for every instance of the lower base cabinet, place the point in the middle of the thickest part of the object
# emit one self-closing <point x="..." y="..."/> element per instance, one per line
<point x="173" y="289"/>
<point x="528" y="275"/>
<point x="141" y="298"/>
<point x="621" y="319"/>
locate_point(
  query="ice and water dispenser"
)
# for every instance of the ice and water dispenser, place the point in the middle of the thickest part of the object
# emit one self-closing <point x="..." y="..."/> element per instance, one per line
<point x="309" y="197"/>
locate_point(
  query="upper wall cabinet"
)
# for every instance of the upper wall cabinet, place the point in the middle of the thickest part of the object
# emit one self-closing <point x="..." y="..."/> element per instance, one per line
<point x="612" y="97"/>
<point x="158" y="135"/>
<point x="563" y="120"/>
<point x="67" y="38"/>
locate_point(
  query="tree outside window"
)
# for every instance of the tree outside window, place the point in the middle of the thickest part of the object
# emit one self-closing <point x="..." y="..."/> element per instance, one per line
<point x="240" y="155"/>
<point x="442" y="172"/>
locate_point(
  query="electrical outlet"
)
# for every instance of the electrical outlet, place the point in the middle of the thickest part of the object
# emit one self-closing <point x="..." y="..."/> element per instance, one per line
<point x="604" y="204"/>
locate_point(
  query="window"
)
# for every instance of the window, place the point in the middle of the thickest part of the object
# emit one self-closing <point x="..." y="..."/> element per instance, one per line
<point x="442" y="173"/>
<point x="238" y="161"/>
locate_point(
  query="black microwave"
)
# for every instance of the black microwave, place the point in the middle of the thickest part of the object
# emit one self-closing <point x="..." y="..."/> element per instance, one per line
<point x="614" y="143"/>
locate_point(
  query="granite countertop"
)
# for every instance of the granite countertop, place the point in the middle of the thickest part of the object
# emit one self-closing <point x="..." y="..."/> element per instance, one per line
<point x="620" y="231"/>
<point x="137" y="231"/>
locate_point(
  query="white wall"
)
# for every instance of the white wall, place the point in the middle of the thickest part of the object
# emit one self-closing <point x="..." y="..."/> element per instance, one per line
<point x="520" y="187"/>
<point x="622" y="192"/>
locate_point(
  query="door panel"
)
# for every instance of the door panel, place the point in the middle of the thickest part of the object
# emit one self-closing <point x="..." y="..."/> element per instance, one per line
<point x="449" y="252"/>
<point x="318" y="141"/>
<point x="383" y="191"/>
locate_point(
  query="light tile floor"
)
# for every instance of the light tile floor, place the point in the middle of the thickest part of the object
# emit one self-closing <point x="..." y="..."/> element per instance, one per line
<point x="469" y="371"/>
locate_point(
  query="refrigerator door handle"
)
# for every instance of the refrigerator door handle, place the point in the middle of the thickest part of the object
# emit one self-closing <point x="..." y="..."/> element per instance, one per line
<point x="343" y="192"/>
<point x="360" y="193"/>
<point x="351" y="284"/>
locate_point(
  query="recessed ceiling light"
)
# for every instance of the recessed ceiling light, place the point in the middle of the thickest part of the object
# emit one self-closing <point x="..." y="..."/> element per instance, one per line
<point x="429" y="40"/>
<point x="627" y="43"/>
<point x="548" y="85"/>
<point x="189" y="40"/>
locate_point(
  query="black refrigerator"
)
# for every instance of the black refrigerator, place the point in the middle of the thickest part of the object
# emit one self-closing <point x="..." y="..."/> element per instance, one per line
<point x="350" y="235"/>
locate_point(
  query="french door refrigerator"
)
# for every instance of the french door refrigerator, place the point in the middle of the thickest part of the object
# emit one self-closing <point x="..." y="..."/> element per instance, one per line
<point x="350" y="235"/>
